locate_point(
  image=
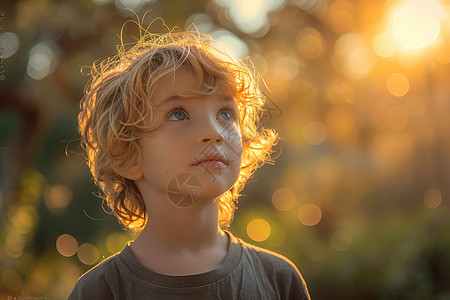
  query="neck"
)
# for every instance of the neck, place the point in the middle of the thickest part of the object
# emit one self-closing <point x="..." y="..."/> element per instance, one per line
<point x="182" y="229"/>
<point x="192" y="230"/>
<point x="181" y="240"/>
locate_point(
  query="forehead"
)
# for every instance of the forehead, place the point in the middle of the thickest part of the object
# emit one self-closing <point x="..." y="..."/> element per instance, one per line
<point x="182" y="81"/>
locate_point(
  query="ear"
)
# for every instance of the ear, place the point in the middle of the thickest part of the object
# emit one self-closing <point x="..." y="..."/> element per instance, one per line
<point x="129" y="167"/>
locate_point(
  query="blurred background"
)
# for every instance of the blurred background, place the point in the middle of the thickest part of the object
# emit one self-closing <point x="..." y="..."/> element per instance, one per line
<point x="358" y="90"/>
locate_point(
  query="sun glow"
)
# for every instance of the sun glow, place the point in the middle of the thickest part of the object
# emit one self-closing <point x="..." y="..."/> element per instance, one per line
<point x="416" y="23"/>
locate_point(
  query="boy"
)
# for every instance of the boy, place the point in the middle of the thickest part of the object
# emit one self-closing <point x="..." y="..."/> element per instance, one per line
<point x="169" y="127"/>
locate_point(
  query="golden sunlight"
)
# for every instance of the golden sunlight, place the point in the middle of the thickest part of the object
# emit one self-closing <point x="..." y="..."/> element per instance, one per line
<point x="416" y="23"/>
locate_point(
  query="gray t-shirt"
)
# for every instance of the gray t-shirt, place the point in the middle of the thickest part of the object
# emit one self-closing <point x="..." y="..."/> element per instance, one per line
<point x="247" y="272"/>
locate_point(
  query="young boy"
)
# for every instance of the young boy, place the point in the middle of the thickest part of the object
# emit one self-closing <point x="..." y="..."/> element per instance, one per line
<point x="169" y="127"/>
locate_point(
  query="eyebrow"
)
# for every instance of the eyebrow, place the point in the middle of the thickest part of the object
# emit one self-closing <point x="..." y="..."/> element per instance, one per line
<point x="177" y="97"/>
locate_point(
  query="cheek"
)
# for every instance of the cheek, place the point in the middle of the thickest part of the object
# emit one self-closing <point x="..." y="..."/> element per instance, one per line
<point x="234" y="140"/>
<point x="154" y="152"/>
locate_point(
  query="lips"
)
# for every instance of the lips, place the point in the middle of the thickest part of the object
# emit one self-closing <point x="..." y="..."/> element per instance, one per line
<point x="212" y="160"/>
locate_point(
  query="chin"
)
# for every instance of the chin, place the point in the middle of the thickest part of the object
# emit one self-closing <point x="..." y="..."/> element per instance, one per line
<point x="215" y="182"/>
<point x="213" y="187"/>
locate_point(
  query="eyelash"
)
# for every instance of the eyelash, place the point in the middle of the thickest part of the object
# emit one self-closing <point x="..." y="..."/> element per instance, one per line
<point x="226" y="108"/>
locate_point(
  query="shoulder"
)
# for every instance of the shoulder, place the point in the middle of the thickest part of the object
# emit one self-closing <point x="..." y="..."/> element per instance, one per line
<point x="280" y="270"/>
<point x="95" y="283"/>
<point x="268" y="258"/>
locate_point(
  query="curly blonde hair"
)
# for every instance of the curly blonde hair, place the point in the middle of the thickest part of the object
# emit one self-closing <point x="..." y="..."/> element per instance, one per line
<point x="115" y="108"/>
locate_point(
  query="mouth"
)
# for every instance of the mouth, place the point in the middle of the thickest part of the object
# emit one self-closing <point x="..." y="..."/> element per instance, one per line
<point x="211" y="164"/>
<point x="212" y="161"/>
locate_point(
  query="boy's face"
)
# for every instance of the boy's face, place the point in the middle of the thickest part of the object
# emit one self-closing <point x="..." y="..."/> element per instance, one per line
<point x="198" y="146"/>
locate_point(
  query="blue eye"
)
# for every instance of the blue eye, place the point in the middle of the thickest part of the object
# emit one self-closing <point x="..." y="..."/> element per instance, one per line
<point x="226" y="116"/>
<point x="178" y="115"/>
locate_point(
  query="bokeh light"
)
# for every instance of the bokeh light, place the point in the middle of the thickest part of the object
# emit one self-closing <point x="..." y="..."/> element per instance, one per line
<point x="25" y="219"/>
<point x="57" y="198"/>
<point x="230" y="43"/>
<point x="285" y="68"/>
<point x="258" y="230"/>
<point x="14" y="244"/>
<point x="309" y="214"/>
<point x="308" y="5"/>
<point x="314" y="132"/>
<point x="432" y="198"/>
<point x="10" y="43"/>
<point x="340" y="16"/>
<point x="42" y="60"/>
<point x="250" y="16"/>
<point x="397" y="84"/>
<point x="283" y="199"/>
<point x="203" y="22"/>
<point x="66" y="245"/>
<point x="353" y="55"/>
<point x="88" y="254"/>
<point x="309" y="43"/>
<point x="383" y="44"/>
<point x="125" y="5"/>
<point x="416" y="23"/>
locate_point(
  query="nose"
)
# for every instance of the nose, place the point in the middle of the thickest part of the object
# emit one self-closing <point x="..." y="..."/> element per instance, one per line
<point x="218" y="139"/>
<point x="212" y="136"/>
<point x="211" y="133"/>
